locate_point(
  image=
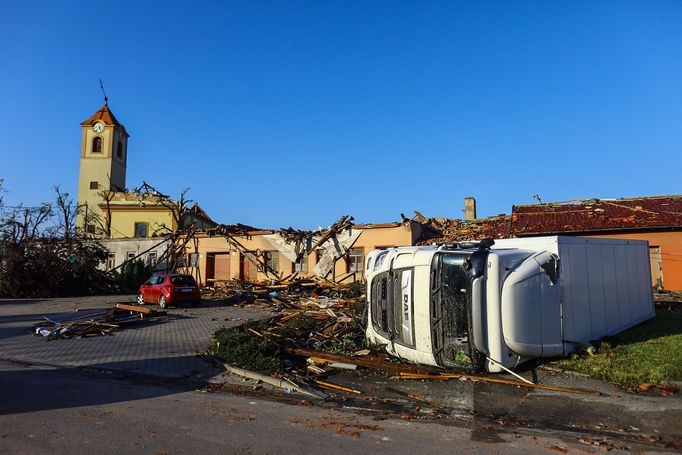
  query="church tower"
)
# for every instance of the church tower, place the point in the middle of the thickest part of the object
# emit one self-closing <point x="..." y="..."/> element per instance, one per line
<point x="104" y="151"/>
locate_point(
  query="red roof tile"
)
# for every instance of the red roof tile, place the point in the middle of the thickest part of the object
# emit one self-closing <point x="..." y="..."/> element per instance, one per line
<point x="598" y="215"/>
<point x="104" y="115"/>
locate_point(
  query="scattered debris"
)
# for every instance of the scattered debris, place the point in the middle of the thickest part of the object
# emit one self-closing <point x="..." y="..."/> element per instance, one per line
<point x="415" y="397"/>
<point x="558" y="449"/>
<point x="376" y="362"/>
<point x="282" y="383"/>
<point x="668" y="297"/>
<point x="99" y="322"/>
<point x="648" y="387"/>
<point x="601" y="443"/>
<point x="447" y="376"/>
<point x="341" y="426"/>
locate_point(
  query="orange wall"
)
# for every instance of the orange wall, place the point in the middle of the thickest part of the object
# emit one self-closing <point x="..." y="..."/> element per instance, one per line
<point x="670" y="244"/>
<point x="369" y="239"/>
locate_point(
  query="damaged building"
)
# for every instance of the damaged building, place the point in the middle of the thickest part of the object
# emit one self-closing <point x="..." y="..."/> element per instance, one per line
<point x="337" y="253"/>
<point x="657" y="219"/>
<point x="146" y="224"/>
<point x="132" y="224"/>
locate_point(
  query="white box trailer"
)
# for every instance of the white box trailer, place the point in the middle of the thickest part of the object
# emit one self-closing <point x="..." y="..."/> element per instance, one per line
<point x="492" y="304"/>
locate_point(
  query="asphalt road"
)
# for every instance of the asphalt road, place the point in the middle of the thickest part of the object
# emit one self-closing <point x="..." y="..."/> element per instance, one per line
<point x="134" y="392"/>
<point x="66" y="411"/>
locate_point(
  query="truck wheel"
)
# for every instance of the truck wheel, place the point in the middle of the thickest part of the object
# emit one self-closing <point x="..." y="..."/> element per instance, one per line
<point x="162" y="302"/>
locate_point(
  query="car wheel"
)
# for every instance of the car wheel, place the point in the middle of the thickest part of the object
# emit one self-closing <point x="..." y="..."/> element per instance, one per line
<point x="162" y="302"/>
<point x="140" y="299"/>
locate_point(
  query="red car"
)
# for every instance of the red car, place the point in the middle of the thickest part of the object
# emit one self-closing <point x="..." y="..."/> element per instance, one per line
<point x="168" y="289"/>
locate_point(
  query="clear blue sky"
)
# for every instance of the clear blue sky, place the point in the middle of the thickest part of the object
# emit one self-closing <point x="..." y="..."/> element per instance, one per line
<point x="294" y="113"/>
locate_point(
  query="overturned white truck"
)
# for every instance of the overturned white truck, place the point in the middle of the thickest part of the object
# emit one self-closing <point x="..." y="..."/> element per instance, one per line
<point x="499" y="303"/>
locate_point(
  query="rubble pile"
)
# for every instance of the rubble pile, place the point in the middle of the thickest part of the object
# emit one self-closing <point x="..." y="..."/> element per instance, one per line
<point x="443" y="230"/>
<point x="321" y="310"/>
<point x="287" y="292"/>
<point x="98" y="322"/>
<point x="310" y="313"/>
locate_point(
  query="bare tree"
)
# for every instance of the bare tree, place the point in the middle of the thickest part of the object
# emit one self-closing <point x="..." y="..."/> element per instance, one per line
<point x="180" y="209"/>
<point x="25" y="223"/>
<point x="67" y="214"/>
<point x="107" y="197"/>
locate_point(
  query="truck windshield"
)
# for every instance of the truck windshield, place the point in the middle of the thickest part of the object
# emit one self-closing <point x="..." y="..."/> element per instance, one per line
<point x="449" y="310"/>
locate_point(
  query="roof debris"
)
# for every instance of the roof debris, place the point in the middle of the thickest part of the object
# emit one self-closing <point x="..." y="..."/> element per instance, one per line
<point x="99" y="322"/>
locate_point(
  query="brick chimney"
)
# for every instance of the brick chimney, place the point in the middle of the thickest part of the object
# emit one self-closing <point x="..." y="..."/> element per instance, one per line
<point x="469" y="208"/>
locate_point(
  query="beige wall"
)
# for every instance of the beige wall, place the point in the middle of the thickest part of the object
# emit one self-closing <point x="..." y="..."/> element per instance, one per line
<point x="369" y="239"/>
<point x="123" y="219"/>
<point x="373" y="238"/>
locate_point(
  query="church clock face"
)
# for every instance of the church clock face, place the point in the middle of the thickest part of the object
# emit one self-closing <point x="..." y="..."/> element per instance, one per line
<point x="98" y="127"/>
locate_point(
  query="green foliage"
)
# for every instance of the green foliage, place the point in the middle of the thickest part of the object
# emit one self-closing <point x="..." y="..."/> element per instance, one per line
<point x="240" y="347"/>
<point x="349" y="343"/>
<point x="354" y="290"/>
<point x="129" y="277"/>
<point x="649" y="352"/>
<point x="52" y="267"/>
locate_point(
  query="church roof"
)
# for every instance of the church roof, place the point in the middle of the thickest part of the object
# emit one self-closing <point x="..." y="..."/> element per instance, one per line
<point x="104" y="115"/>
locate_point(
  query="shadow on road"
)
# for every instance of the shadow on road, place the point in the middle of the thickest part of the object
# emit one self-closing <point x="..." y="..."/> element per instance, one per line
<point x="28" y="389"/>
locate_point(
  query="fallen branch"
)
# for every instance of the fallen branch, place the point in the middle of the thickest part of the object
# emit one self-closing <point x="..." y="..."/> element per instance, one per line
<point x="447" y="376"/>
<point x="281" y="383"/>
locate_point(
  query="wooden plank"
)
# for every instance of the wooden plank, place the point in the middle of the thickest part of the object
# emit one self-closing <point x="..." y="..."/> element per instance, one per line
<point x="447" y="376"/>
<point x="366" y="361"/>
<point x="136" y="309"/>
<point x="335" y="386"/>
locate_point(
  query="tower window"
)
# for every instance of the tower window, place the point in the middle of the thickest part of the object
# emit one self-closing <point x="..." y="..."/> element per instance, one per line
<point x="97" y="145"/>
<point x="119" y="150"/>
<point x="94" y="185"/>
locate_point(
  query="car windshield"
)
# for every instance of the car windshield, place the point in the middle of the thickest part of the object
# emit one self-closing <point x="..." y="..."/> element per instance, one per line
<point x="183" y="280"/>
<point x="449" y="309"/>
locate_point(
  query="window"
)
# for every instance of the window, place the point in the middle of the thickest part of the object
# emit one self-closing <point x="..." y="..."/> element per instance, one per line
<point x="130" y="255"/>
<point x="356" y="259"/>
<point x="272" y="261"/>
<point x="183" y="280"/>
<point x="156" y="279"/>
<point x="119" y="150"/>
<point x="301" y="265"/>
<point x="181" y="260"/>
<point x="140" y="229"/>
<point x="111" y="261"/>
<point x="97" y="144"/>
<point x="94" y="185"/>
<point x="193" y="260"/>
<point x="151" y="258"/>
<point x="90" y="228"/>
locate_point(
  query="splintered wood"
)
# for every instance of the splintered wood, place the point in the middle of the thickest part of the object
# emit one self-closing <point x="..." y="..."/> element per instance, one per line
<point x="99" y="322"/>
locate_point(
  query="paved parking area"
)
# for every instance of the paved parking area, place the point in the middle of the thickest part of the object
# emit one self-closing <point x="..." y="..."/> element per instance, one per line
<point x="166" y="348"/>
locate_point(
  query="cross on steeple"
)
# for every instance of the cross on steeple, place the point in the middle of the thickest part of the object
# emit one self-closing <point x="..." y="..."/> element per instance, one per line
<point x="101" y="86"/>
